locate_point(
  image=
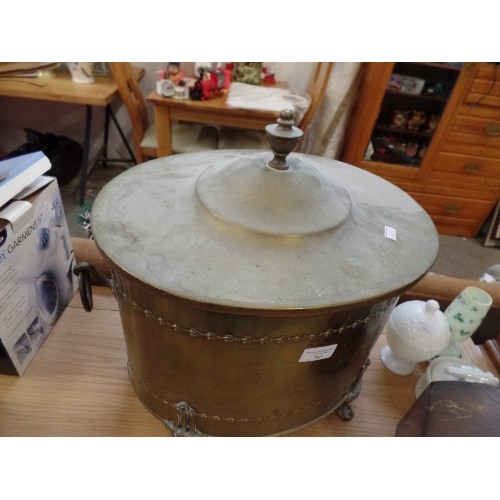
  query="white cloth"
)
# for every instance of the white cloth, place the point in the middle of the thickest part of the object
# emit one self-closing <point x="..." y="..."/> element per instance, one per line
<point x="245" y="96"/>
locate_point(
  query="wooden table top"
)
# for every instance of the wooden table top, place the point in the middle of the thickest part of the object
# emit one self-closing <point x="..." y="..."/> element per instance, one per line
<point x="211" y="111"/>
<point x="214" y="111"/>
<point x="216" y="106"/>
<point x="77" y="385"/>
<point x="57" y="86"/>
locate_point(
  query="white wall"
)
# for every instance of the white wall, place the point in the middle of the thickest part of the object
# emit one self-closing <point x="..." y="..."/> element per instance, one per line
<point x="69" y="120"/>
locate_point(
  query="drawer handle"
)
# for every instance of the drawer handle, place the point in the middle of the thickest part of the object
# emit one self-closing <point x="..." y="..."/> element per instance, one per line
<point x="472" y="167"/>
<point x="492" y="129"/>
<point x="450" y="209"/>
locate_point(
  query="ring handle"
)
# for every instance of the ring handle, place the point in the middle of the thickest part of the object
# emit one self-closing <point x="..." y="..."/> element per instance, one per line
<point x="83" y="270"/>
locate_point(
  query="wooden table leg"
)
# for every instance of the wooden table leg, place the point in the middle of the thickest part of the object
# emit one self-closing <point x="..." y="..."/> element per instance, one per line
<point x="86" y="151"/>
<point x="163" y="131"/>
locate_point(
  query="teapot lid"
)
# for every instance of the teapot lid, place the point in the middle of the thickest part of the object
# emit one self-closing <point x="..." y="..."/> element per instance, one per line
<point x="264" y="230"/>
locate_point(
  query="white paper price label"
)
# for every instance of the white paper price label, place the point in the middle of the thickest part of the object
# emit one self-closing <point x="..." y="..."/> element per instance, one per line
<point x="390" y="233"/>
<point x="317" y="353"/>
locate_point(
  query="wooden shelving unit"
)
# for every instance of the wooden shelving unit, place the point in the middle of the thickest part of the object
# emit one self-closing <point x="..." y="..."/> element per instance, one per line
<point x="449" y="160"/>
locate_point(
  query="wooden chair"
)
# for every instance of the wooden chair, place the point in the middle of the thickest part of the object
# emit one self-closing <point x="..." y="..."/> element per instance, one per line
<point x="232" y="138"/>
<point x="186" y="137"/>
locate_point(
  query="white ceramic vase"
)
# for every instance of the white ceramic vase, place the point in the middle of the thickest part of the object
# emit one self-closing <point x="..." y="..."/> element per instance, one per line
<point x="81" y="72"/>
<point x="464" y="315"/>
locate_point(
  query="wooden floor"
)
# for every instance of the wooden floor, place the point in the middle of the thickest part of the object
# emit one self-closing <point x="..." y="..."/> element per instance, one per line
<point x="77" y="385"/>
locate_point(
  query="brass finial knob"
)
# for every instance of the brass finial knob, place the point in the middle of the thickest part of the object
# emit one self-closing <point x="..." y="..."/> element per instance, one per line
<point x="283" y="138"/>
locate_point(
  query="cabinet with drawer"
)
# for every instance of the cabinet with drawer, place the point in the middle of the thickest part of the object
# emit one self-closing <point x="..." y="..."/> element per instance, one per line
<point x="468" y="167"/>
<point x="455" y="175"/>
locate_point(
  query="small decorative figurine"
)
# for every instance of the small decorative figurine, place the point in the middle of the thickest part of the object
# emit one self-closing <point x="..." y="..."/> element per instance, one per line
<point x="267" y="76"/>
<point x="439" y="89"/>
<point x="411" y="149"/>
<point x="400" y="146"/>
<point x="399" y="118"/>
<point x="383" y="144"/>
<point x="417" y="119"/>
<point x="81" y="72"/>
<point x="432" y="123"/>
<point x="213" y="82"/>
<point x="174" y="73"/>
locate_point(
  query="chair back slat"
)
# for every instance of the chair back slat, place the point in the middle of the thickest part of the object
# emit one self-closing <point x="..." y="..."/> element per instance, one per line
<point x="133" y="99"/>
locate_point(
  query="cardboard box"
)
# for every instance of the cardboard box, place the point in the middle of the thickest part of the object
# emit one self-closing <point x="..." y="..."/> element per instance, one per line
<point x="36" y="271"/>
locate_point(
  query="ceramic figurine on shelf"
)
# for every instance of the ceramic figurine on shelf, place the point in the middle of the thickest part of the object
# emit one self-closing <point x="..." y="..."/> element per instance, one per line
<point x="400" y="146"/>
<point x="390" y="140"/>
<point x="399" y="118"/>
<point x="416" y="120"/>
<point x="174" y="73"/>
<point x="268" y="76"/>
<point x="411" y="149"/>
<point x="81" y="72"/>
<point x="432" y="123"/>
<point x="439" y="89"/>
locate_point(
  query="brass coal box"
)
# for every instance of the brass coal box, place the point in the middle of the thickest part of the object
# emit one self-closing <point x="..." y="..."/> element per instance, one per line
<point x="253" y="285"/>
